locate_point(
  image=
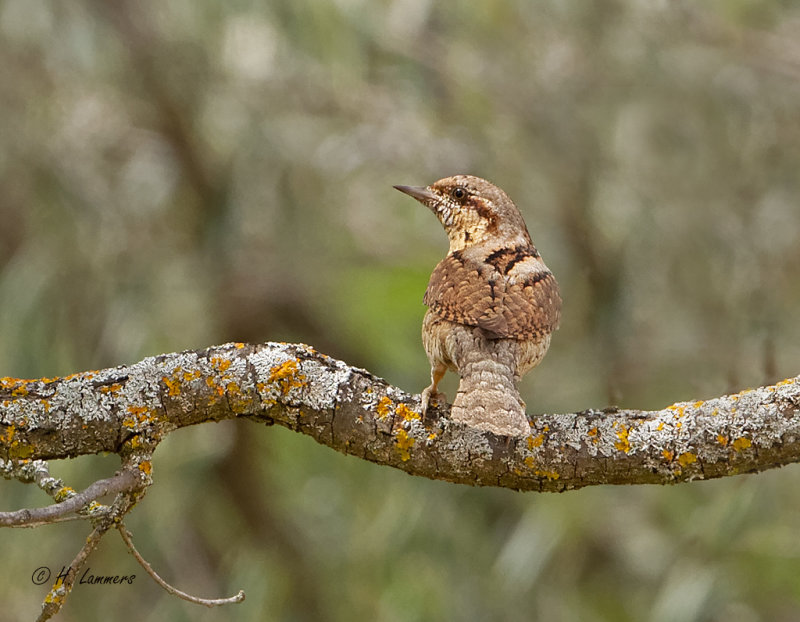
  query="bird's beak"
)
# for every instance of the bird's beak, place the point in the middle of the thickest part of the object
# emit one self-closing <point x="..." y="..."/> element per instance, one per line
<point x="422" y="194"/>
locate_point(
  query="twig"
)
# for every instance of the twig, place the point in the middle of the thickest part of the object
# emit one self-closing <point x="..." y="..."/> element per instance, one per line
<point x="208" y="602"/>
<point x="102" y="509"/>
<point x="31" y="471"/>
<point x="123" y="481"/>
<point x="62" y="587"/>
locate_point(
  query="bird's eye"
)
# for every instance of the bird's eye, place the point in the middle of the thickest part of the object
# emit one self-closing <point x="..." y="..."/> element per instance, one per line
<point x="458" y="193"/>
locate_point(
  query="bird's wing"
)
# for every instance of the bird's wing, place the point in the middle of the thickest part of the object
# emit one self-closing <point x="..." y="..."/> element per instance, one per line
<point x="509" y="294"/>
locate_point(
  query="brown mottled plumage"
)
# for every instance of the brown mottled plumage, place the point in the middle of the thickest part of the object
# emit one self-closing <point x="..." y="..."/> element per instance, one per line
<point x="492" y="303"/>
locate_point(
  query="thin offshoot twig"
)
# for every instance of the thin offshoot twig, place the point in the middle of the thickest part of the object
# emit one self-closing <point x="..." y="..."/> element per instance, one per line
<point x="208" y="602"/>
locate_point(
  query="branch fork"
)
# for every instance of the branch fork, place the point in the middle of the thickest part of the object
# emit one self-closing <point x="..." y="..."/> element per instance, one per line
<point x="128" y="410"/>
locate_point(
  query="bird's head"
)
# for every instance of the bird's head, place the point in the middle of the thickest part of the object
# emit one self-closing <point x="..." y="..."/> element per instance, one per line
<point x="472" y="210"/>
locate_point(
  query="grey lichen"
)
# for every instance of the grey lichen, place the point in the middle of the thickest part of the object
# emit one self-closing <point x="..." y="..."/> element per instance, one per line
<point x="131" y="408"/>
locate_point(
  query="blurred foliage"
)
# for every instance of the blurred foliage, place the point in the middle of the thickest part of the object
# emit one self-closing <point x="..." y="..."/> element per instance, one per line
<point x="180" y="174"/>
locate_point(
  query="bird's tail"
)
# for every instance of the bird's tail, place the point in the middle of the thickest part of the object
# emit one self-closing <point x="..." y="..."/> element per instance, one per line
<point x="487" y="396"/>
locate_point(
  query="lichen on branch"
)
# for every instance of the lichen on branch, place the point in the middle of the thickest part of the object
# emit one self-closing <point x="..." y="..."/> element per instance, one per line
<point x="130" y="408"/>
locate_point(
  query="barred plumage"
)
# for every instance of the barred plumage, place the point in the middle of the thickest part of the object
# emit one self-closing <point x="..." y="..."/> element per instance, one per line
<point x="492" y="301"/>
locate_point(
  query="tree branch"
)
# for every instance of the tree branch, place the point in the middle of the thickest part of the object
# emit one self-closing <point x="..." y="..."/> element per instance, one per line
<point x="58" y="594"/>
<point x="207" y="602"/>
<point x="128" y="409"/>
<point x="124" y="481"/>
<point x="64" y="583"/>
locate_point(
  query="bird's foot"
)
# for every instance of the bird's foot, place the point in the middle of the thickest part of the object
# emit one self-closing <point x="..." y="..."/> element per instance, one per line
<point x="431" y="394"/>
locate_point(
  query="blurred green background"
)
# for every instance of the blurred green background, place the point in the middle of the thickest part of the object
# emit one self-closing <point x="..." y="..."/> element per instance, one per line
<point x="180" y="174"/>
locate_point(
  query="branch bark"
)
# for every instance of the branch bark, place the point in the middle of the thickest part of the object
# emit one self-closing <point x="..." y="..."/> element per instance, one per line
<point x="130" y="408"/>
<point x="122" y="481"/>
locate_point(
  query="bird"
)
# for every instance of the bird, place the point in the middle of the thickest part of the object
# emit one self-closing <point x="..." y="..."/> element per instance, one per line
<point x="492" y="304"/>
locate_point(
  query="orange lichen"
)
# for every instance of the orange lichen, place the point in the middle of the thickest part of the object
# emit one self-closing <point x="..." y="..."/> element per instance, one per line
<point x="113" y="388"/>
<point x="238" y="345"/>
<point x="405" y="413"/>
<point x="93" y="507"/>
<point x="7" y="382"/>
<point x="64" y="493"/>
<point x="404" y="443"/>
<point x="134" y="442"/>
<point x="9" y="435"/>
<point x="174" y="386"/>
<point x="678" y="409"/>
<point x="660" y="426"/>
<point x="741" y="443"/>
<point x="722" y="440"/>
<point x="54" y="596"/>
<point x="535" y="441"/>
<point x="188" y="376"/>
<point x="220" y="363"/>
<point x="698" y="404"/>
<point x="212" y="384"/>
<point x="146" y="467"/>
<point x="551" y="475"/>
<point x="668" y="455"/>
<point x="687" y="458"/>
<point x="238" y="400"/>
<point x="530" y="462"/>
<point x="20" y="391"/>
<point x="19" y="450"/>
<point x="592" y="432"/>
<point x="623" y="444"/>
<point x="137" y="415"/>
<point x="287" y="376"/>
<point x="384" y="407"/>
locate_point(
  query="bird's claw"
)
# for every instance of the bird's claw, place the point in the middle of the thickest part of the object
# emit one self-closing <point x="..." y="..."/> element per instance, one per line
<point x="431" y="394"/>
